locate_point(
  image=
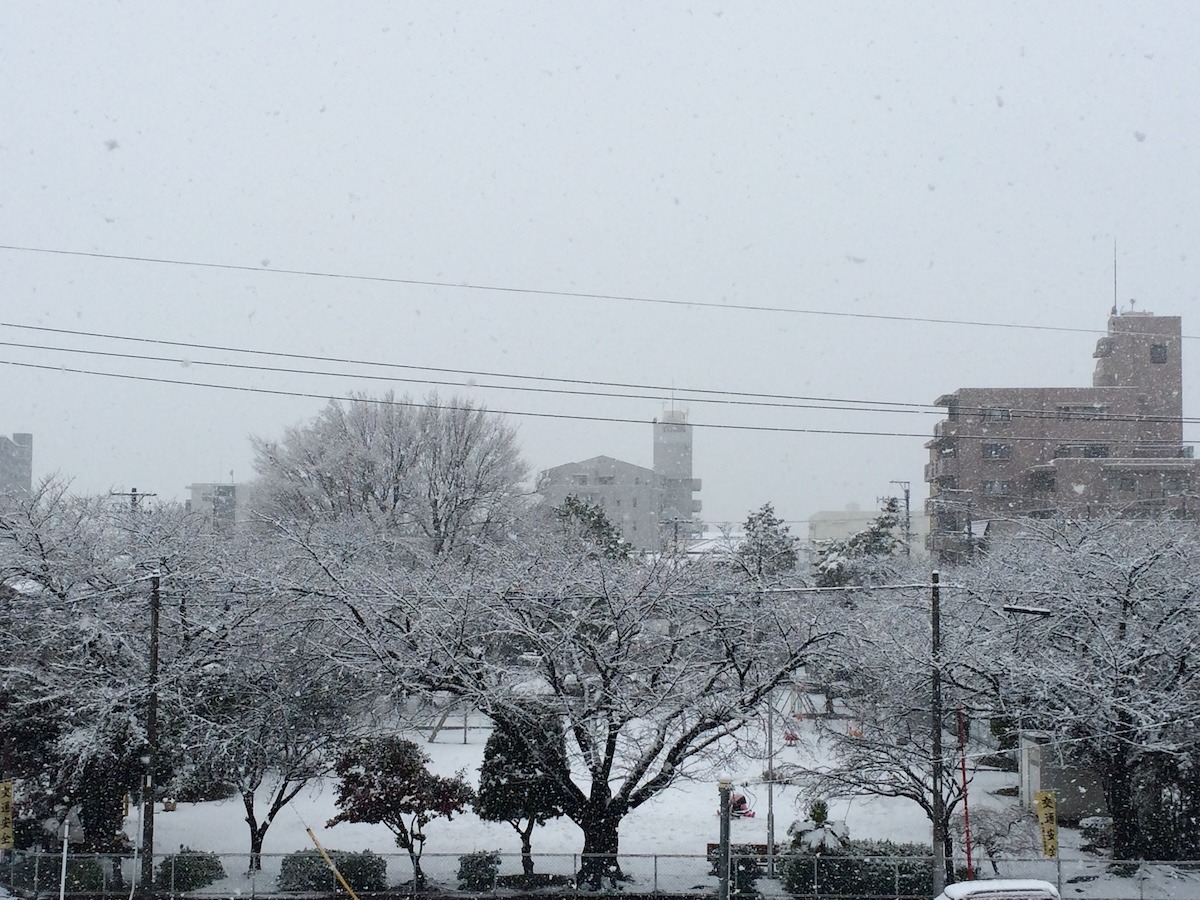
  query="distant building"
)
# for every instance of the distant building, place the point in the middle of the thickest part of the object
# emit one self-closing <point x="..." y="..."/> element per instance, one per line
<point x="16" y="464"/>
<point x="652" y="507"/>
<point x="837" y="525"/>
<point x="1005" y="453"/>
<point x="225" y="504"/>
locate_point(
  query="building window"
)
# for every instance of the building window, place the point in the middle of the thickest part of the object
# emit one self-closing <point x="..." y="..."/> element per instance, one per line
<point x="1174" y="484"/>
<point x="995" y="414"/>
<point x="996" y="451"/>
<point x="1095" y="451"/>
<point x="1158" y="353"/>
<point x="1042" y="482"/>
<point x="997" y="488"/>
<point x="605" y="479"/>
<point x="1123" y="482"/>
<point x="635" y="502"/>
<point x="579" y="479"/>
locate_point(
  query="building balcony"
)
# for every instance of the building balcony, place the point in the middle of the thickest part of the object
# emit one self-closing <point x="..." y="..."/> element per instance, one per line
<point x="946" y="542"/>
<point x="941" y="469"/>
<point x="944" y="432"/>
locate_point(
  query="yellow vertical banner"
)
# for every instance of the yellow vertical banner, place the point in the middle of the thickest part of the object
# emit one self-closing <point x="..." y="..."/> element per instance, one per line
<point x="6" y="815"/>
<point x="1047" y="816"/>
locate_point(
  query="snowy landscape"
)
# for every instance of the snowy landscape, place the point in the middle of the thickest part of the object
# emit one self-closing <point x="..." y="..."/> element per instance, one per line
<point x="663" y="843"/>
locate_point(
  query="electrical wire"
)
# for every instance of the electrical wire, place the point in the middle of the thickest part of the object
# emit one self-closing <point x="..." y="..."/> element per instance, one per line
<point x="543" y="292"/>
<point x="684" y="395"/>
<point x="277" y="392"/>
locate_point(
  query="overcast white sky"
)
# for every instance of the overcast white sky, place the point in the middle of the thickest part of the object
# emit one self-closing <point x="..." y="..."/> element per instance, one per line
<point x="954" y="161"/>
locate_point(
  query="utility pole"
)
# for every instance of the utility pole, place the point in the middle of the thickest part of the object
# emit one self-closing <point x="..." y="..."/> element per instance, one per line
<point x="133" y="496"/>
<point x="905" y="486"/>
<point x="935" y="726"/>
<point x="151" y="756"/>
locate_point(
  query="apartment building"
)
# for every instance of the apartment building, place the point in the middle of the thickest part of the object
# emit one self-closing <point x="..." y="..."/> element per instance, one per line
<point x="1117" y="446"/>
<point x="652" y="507"/>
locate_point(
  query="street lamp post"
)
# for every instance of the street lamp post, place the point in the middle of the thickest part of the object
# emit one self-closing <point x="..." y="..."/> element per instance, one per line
<point x="724" y="785"/>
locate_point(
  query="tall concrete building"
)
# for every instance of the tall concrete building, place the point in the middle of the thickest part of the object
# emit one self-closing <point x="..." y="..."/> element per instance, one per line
<point x="673" y="466"/>
<point x="224" y="504"/>
<point x="1117" y="446"/>
<point x="16" y="464"/>
<point x="652" y="507"/>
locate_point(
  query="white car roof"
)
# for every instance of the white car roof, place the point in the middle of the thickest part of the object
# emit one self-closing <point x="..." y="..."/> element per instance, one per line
<point x="1000" y="889"/>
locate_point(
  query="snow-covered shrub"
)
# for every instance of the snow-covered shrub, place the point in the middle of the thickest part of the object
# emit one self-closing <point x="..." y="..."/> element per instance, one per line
<point x="860" y="869"/>
<point x="818" y="833"/>
<point x="85" y="874"/>
<point x="1097" y="832"/>
<point x="189" y="870"/>
<point x="305" y="870"/>
<point x="477" y="871"/>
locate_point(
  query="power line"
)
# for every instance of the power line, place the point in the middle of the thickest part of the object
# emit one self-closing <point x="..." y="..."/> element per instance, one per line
<point x="783" y="401"/>
<point x="691" y="395"/>
<point x="776" y="429"/>
<point x="415" y="404"/>
<point x="548" y="292"/>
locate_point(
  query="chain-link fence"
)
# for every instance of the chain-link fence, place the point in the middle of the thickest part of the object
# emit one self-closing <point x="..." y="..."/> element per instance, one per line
<point x="40" y="874"/>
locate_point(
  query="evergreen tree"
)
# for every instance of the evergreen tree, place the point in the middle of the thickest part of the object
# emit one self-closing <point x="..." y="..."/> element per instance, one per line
<point x="846" y="562"/>
<point x="769" y="548"/>
<point x="594" y="526"/>
<point x="519" y="779"/>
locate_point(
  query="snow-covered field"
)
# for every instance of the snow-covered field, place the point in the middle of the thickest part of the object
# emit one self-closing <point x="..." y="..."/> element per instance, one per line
<point x="662" y="843"/>
<point x="679" y="821"/>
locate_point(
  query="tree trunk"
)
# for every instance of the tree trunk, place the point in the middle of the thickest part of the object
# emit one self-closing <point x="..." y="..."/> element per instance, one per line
<point x="256" y="843"/>
<point x="1118" y="793"/>
<point x="257" y="832"/>
<point x="418" y="876"/>
<point x="600" y="845"/>
<point x="527" y="847"/>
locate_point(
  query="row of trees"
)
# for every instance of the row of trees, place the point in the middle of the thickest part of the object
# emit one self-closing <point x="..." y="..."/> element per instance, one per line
<point x="395" y="563"/>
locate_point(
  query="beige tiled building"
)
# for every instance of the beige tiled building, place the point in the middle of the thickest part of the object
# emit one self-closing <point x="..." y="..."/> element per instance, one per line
<point x="1117" y="446"/>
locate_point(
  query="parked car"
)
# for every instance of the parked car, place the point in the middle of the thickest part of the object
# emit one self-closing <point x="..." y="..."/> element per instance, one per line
<point x="1000" y="889"/>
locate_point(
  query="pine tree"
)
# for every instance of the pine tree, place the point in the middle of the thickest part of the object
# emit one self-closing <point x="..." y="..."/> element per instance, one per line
<point x="594" y="526"/>
<point x="844" y="562"/>
<point x="769" y="548"/>
<point x="516" y="784"/>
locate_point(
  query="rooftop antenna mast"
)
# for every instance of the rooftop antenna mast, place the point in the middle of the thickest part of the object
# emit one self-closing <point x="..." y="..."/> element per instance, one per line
<point x="1114" y="309"/>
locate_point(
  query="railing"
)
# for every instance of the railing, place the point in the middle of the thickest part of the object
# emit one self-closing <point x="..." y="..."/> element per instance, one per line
<point x="37" y="875"/>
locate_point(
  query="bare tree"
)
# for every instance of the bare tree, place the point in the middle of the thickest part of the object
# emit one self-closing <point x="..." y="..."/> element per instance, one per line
<point x="76" y="611"/>
<point x="444" y="472"/>
<point x="881" y="743"/>
<point x="653" y="665"/>
<point x="1109" y="672"/>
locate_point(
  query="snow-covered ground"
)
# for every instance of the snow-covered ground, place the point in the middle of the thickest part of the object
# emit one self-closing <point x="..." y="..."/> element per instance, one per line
<point x="662" y="843"/>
